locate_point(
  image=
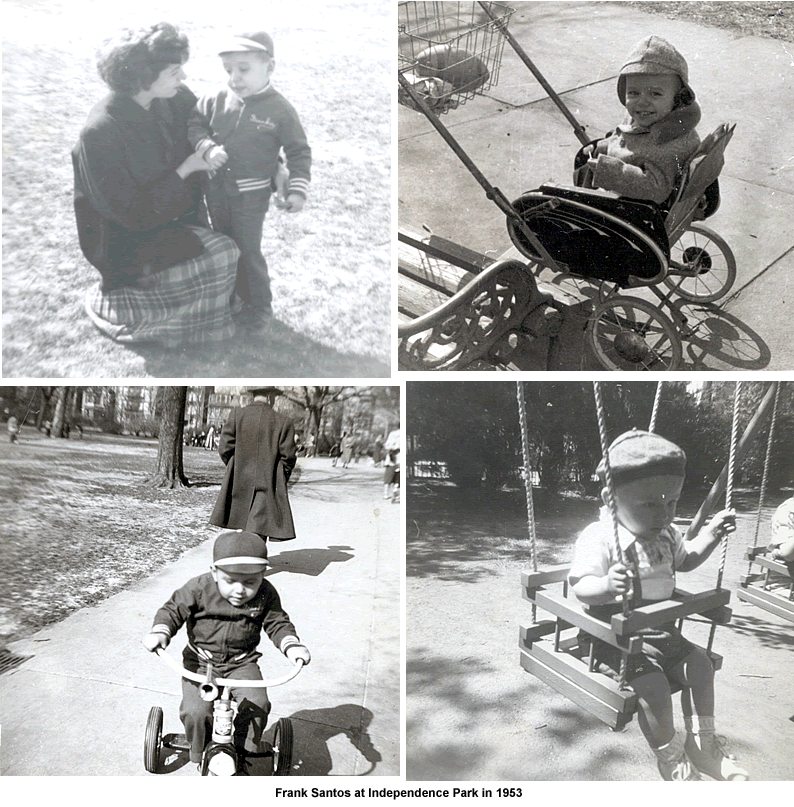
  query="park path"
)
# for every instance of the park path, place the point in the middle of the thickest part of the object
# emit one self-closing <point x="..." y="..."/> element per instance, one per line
<point x="473" y="714"/>
<point x="78" y="705"/>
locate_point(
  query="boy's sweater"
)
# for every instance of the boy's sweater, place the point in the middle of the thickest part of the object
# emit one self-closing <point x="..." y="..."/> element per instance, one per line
<point x="217" y="627"/>
<point x="252" y="131"/>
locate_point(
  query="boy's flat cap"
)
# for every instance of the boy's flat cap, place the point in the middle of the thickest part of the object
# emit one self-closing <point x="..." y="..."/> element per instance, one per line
<point x="239" y="552"/>
<point x="258" y="42"/>
<point x="637" y="454"/>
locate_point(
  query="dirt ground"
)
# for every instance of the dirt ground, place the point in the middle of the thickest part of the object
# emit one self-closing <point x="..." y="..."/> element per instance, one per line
<point x="474" y="714"/>
<point x="330" y="264"/>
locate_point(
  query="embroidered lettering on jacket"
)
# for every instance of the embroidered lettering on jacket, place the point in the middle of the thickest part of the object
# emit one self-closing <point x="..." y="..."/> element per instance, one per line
<point x="263" y="125"/>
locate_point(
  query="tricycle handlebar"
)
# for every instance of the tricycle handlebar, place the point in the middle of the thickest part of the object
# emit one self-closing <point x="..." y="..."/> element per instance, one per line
<point x="228" y="682"/>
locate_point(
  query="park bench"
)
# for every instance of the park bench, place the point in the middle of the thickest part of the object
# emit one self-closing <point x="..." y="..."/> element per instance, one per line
<point x="461" y="310"/>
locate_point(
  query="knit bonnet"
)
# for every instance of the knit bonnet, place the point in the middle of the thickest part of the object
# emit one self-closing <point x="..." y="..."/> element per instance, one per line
<point x="654" y="56"/>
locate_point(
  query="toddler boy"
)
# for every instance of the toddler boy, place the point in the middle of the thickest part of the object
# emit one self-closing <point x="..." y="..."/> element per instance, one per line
<point x="225" y="611"/>
<point x="642" y="157"/>
<point x="240" y="131"/>
<point x="648" y="476"/>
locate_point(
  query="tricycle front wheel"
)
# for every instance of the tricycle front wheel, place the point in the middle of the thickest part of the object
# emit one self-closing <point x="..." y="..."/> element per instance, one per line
<point x="282" y="747"/>
<point x="153" y="740"/>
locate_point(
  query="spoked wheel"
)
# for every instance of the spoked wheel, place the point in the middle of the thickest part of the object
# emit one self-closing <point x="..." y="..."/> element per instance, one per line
<point x="154" y="739"/>
<point x="702" y="266"/>
<point x="282" y="747"/>
<point x="627" y="333"/>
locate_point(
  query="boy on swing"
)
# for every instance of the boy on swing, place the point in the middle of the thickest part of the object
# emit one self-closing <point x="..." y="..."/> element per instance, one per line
<point x="648" y="475"/>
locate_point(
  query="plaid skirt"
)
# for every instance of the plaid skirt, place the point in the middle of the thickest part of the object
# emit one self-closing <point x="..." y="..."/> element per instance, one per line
<point x="189" y="303"/>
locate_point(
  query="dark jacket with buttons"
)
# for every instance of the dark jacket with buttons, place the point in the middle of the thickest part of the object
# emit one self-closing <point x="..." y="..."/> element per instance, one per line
<point x="216" y="627"/>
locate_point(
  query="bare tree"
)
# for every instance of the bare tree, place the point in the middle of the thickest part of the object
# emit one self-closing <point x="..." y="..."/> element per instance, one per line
<point x="170" y="468"/>
<point x="314" y="400"/>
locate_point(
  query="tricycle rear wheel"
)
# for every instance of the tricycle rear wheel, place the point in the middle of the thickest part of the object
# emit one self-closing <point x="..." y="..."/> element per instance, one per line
<point x="282" y="747"/>
<point x="153" y="740"/>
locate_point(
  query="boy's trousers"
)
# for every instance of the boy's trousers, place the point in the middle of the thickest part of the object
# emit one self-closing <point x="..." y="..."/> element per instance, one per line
<point x="241" y="216"/>
<point x="253" y="707"/>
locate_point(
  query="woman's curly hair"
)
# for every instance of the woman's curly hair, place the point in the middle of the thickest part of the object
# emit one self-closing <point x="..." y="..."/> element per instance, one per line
<point x="131" y="61"/>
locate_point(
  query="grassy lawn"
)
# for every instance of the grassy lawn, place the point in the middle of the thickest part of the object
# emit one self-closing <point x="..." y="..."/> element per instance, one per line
<point x="79" y="526"/>
<point x="770" y="19"/>
<point x="330" y="264"/>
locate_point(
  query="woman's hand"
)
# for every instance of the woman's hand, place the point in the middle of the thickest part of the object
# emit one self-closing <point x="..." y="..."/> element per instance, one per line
<point x="295" y="202"/>
<point x="216" y="157"/>
<point x="194" y="162"/>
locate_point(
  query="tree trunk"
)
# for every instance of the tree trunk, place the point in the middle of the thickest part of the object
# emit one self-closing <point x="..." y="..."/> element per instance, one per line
<point x="170" y="469"/>
<point x="61" y="407"/>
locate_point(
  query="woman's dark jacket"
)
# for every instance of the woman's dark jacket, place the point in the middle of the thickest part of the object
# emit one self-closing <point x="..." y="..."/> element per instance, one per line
<point x="132" y="208"/>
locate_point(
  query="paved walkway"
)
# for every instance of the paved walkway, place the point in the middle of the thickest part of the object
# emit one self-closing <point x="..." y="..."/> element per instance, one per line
<point x="78" y="705"/>
<point x="519" y="140"/>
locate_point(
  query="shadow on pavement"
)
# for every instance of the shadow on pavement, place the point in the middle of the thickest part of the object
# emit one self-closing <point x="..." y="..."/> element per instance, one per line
<point x="720" y="337"/>
<point x="311" y="562"/>
<point x="314" y="728"/>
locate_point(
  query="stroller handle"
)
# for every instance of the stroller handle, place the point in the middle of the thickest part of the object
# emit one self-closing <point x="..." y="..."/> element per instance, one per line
<point x="228" y="682"/>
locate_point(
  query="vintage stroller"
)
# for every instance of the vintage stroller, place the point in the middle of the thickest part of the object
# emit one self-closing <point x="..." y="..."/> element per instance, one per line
<point x="450" y="52"/>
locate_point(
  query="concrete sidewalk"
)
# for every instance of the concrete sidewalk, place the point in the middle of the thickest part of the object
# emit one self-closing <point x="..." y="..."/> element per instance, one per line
<point x="78" y="706"/>
<point x="519" y="139"/>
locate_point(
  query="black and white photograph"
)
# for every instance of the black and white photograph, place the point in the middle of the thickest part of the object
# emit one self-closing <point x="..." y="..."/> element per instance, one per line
<point x="196" y="190"/>
<point x="578" y="553"/>
<point x="595" y="186"/>
<point x="191" y="522"/>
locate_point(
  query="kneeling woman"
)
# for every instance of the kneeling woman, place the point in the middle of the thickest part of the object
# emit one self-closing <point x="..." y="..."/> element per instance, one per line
<point x="165" y="278"/>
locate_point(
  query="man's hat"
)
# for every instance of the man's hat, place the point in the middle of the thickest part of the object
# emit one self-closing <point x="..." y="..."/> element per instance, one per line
<point x="258" y="42"/>
<point x="262" y="390"/>
<point x="240" y="552"/>
<point x="637" y="455"/>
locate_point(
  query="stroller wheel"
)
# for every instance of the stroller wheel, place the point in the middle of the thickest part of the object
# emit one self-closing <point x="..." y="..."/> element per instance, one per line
<point x="702" y="266"/>
<point x="626" y="333"/>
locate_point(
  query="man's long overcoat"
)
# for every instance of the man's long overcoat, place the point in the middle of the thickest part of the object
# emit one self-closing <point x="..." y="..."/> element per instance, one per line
<point x="257" y="444"/>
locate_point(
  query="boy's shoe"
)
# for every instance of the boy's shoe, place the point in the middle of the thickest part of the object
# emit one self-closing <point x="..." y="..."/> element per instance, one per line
<point x="673" y="762"/>
<point x="678" y="770"/>
<point x="710" y="755"/>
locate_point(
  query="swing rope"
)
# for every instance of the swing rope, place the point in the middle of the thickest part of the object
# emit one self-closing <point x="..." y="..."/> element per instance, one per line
<point x="729" y="482"/>
<point x="765" y="476"/>
<point x="522" y="417"/>
<point x="655" y="411"/>
<point x="613" y="509"/>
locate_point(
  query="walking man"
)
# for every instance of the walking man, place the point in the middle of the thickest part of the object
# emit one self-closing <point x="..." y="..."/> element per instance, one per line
<point x="257" y="445"/>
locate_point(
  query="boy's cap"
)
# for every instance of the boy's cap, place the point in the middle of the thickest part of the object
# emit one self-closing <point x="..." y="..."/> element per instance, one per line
<point x="259" y="42"/>
<point x="637" y="455"/>
<point x="655" y="56"/>
<point x="240" y="552"/>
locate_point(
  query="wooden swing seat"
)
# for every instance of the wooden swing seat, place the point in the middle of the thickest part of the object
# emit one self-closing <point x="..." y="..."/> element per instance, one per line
<point x="754" y="587"/>
<point x="559" y="661"/>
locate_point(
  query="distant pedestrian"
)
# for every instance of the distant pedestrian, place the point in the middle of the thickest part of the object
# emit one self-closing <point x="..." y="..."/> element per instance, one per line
<point x="347" y="449"/>
<point x="13" y="429"/>
<point x="257" y="445"/>
<point x="391" y="466"/>
<point x="334" y="453"/>
<point x="209" y="442"/>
